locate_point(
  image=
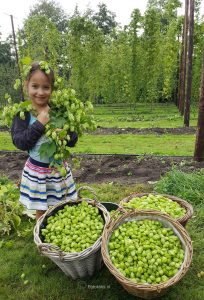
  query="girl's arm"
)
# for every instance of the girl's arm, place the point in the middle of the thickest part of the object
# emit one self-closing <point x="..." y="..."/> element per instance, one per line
<point x="25" y="136"/>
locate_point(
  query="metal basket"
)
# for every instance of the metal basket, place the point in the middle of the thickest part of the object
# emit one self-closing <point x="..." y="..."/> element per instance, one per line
<point x="146" y="291"/>
<point x="79" y="264"/>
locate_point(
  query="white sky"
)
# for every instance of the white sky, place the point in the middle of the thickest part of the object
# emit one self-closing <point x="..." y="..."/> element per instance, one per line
<point x="20" y="10"/>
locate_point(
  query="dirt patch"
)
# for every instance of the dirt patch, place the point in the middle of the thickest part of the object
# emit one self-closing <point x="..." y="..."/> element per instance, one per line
<point x="154" y="130"/>
<point x="124" y="169"/>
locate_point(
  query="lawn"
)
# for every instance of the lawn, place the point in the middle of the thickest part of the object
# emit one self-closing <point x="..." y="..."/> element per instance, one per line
<point x="166" y="144"/>
<point x="44" y="280"/>
<point x="142" y="116"/>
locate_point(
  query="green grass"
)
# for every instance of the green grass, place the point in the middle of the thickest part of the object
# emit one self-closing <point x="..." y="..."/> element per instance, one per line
<point x="112" y="122"/>
<point x="190" y="185"/>
<point x="6" y="142"/>
<point x="166" y="144"/>
<point x="142" y="116"/>
<point x="137" y="144"/>
<point x="47" y="282"/>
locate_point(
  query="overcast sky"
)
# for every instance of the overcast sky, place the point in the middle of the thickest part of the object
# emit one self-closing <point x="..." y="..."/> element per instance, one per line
<point x="20" y="10"/>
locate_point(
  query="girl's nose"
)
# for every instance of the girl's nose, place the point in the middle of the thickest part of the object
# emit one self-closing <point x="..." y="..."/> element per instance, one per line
<point x="40" y="91"/>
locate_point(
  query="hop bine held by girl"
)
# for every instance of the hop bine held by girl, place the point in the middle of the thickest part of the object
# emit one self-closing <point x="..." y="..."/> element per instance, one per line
<point x="41" y="185"/>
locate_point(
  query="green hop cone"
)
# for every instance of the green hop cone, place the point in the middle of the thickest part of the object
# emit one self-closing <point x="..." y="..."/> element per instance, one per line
<point x="63" y="171"/>
<point x="22" y="115"/>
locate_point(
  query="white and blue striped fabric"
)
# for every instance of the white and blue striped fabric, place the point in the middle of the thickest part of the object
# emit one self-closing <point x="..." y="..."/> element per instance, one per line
<point x="42" y="186"/>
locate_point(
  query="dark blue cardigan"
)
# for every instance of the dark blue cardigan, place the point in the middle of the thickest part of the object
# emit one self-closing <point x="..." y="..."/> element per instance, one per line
<point x="25" y="136"/>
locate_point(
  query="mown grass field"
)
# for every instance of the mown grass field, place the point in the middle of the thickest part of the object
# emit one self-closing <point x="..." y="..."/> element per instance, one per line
<point x="145" y="115"/>
<point x="142" y="116"/>
<point x="165" y="144"/>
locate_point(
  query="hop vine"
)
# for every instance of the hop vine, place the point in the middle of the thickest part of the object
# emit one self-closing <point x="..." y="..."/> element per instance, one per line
<point x="68" y="114"/>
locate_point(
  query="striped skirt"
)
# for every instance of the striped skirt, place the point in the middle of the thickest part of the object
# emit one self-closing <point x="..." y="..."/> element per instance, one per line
<point x="42" y="186"/>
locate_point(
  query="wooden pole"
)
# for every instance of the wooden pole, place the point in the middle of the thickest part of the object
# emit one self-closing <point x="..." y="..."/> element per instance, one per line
<point x="199" y="144"/>
<point x="189" y="66"/>
<point x="17" y="58"/>
<point x="180" y="64"/>
<point x="183" y="59"/>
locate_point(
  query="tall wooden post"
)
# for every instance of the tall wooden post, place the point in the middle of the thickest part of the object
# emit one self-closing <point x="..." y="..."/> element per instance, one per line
<point x="17" y="59"/>
<point x="183" y="59"/>
<point x="199" y="145"/>
<point x="189" y="66"/>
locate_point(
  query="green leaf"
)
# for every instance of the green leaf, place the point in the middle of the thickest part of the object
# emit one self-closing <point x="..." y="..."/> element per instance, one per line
<point x="6" y="96"/>
<point x="16" y="221"/>
<point x="25" y="104"/>
<point x="59" y="122"/>
<point x="26" y="60"/>
<point x="47" y="149"/>
<point x="62" y="134"/>
<point x="9" y="244"/>
<point x="17" y="84"/>
<point x="1" y="243"/>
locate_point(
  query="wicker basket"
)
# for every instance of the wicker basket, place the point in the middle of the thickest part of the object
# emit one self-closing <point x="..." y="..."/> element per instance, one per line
<point x="187" y="206"/>
<point x="74" y="265"/>
<point x="146" y="291"/>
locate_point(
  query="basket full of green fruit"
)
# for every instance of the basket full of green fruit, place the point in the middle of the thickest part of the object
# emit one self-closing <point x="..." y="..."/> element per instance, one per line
<point x="70" y="234"/>
<point x="146" y="251"/>
<point x="175" y="207"/>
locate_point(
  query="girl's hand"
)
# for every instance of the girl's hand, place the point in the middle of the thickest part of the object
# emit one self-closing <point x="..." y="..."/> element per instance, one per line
<point x="43" y="116"/>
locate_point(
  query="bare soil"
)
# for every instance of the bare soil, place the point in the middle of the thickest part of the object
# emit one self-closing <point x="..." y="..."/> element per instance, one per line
<point x="155" y="130"/>
<point x="124" y="169"/>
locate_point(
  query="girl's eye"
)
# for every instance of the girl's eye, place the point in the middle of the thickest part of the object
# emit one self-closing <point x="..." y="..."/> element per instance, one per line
<point x="36" y="86"/>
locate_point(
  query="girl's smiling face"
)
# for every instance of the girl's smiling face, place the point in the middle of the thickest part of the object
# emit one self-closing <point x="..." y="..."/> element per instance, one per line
<point x="39" y="89"/>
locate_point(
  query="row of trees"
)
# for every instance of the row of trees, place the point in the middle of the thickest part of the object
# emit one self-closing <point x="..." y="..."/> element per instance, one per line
<point x="8" y="72"/>
<point x="105" y="62"/>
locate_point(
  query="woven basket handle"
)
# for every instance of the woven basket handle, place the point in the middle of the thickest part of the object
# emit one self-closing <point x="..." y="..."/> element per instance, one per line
<point x="43" y="248"/>
<point x="119" y="210"/>
<point x="82" y="188"/>
<point x="49" y="210"/>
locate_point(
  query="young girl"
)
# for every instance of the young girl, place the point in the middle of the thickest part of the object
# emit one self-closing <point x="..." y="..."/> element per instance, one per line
<point x="41" y="186"/>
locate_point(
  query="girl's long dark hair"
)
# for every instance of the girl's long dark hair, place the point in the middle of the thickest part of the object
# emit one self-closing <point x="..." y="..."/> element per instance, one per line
<point x="36" y="66"/>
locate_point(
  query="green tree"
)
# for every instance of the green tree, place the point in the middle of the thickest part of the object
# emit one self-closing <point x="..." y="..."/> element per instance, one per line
<point x="5" y="53"/>
<point x="197" y="52"/>
<point x="136" y="54"/>
<point x="170" y="48"/>
<point x="8" y="72"/>
<point x="84" y="53"/>
<point x="104" y="19"/>
<point x="40" y="40"/>
<point x="50" y="38"/>
<point x="52" y="11"/>
<point x="151" y="40"/>
<point x="105" y="63"/>
<point x="117" y="67"/>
